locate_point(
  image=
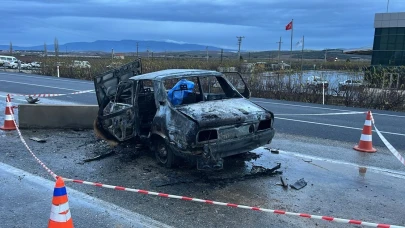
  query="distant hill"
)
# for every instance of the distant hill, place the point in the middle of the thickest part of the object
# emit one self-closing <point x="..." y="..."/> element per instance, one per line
<point x="119" y="46"/>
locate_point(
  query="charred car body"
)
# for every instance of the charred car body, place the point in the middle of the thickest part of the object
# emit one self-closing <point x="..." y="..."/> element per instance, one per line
<point x="181" y="113"/>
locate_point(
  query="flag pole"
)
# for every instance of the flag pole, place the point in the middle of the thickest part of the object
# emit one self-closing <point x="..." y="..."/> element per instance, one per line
<point x="292" y="29"/>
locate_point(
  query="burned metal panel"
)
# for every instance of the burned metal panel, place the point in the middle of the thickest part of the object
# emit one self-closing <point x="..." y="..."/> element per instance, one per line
<point x="106" y="83"/>
<point x="223" y="112"/>
<point x="118" y="119"/>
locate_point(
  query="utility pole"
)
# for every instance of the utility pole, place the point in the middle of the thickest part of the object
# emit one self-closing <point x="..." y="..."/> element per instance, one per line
<point x="388" y="3"/>
<point x="56" y="47"/>
<point x="11" y="48"/>
<point x="326" y="52"/>
<point x="239" y="44"/>
<point x="147" y="51"/>
<point x="206" y="49"/>
<point x="45" y="50"/>
<point x="302" y="51"/>
<point x="137" y="45"/>
<point x="279" y="48"/>
<point x="112" y="55"/>
<point x="222" y="52"/>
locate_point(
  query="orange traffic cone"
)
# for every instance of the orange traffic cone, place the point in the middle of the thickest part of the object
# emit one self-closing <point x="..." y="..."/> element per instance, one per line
<point x="8" y="121"/>
<point x="60" y="212"/>
<point x="366" y="144"/>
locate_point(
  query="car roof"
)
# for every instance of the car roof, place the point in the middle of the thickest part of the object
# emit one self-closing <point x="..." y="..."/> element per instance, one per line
<point x="175" y="73"/>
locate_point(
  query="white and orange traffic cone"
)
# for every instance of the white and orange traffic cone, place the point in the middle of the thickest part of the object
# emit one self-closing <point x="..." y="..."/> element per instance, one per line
<point x="60" y="212"/>
<point x="366" y="144"/>
<point x="8" y="121"/>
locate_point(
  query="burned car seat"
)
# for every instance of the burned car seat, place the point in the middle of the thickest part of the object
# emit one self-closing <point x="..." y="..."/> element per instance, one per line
<point x="182" y="93"/>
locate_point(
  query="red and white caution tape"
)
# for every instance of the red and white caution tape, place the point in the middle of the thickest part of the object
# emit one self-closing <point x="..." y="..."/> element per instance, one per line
<point x="29" y="149"/>
<point x="387" y="144"/>
<point x="51" y="94"/>
<point x="281" y="212"/>
<point x="211" y="202"/>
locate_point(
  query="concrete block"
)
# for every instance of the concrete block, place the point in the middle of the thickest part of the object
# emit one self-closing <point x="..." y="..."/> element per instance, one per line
<point x="56" y="116"/>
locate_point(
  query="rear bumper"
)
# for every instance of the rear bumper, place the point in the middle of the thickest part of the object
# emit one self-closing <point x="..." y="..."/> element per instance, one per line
<point x="227" y="148"/>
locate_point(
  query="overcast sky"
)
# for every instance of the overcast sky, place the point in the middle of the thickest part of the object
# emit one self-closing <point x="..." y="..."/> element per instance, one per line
<point x="324" y="23"/>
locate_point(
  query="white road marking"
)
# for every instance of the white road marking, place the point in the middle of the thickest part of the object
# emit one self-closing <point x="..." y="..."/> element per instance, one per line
<point x="333" y="125"/>
<point x="128" y="216"/>
<point x="384" y="171"/>
<point x="334" y="109"/>
<point x="48" y="78"/>
<point x="53" y="87"/>
<point x="320" y="114"/>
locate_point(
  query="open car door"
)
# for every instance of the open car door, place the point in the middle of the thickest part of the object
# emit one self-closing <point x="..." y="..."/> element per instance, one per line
<point x="106" y="84"/>
<point x="115" y="95"/>
<point x="236" y="79"/>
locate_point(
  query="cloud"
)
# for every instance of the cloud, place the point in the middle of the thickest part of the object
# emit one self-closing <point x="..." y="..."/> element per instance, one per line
<point x="343" y="23"/>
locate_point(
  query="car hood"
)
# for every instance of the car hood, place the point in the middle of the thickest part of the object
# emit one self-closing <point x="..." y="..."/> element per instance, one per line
<point x="223" y="112"/>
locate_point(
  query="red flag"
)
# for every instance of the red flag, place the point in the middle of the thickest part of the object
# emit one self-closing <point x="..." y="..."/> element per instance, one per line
<point x="289" y="26"/>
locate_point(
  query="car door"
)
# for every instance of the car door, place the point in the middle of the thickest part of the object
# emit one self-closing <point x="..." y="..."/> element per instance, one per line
<point x="106" y="84"/>
<point x="115" y="95"/>
<point x="236" y="79"/>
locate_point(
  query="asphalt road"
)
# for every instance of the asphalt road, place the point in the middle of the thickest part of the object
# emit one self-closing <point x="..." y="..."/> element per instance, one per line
<point x="291" y="117"/>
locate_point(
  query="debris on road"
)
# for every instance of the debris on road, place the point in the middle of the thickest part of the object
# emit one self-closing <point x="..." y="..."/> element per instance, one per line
<point x="264" y="171"/>
<point x="362" y="171"/>
<point x="307" y="160"/>
<point x="299" y="184"/>
<point x="38" y="139"/>
<point x="283" y="182"/>
<point x="31" y="100"/>
<point x="99" y="157"/>
<point x="273" y="151"/>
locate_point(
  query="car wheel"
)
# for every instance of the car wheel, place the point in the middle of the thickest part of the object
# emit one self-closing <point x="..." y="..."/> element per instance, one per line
<point x="164" y="155"/>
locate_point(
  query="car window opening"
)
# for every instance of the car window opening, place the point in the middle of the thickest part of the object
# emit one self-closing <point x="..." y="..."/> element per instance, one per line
<point x="190" y="90"/>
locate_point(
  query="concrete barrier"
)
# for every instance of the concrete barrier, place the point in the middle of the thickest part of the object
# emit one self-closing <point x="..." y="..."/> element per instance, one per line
<point x="56" y="116"/>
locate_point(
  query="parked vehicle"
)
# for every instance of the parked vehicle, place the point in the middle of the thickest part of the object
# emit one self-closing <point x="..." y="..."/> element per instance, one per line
<point x="6" y="58"/>
<point x="25" y="65"/>
<point x="11" y="64"/>
<point x="178" y="113"/>
<point x="81" y="64"/>
<point x="317" y="82"/>
<point x="35" y="64"/>
<point x="349" y="83"/>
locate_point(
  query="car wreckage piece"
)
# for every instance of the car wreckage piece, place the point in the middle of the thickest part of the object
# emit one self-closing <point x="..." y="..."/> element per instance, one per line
<point x="197" y="114"/>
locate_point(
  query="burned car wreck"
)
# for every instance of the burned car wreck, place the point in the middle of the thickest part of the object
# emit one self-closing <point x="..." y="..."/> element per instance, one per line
<point x="197" y="114"/>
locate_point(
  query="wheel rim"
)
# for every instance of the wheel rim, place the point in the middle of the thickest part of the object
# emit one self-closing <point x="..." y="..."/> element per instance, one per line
<point x="162" y="154"/>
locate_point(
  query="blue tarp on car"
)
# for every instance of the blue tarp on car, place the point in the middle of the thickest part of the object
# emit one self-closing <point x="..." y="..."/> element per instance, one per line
<point x="180" y="91"/>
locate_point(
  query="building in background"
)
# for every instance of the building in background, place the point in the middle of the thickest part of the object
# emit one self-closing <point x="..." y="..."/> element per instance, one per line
<point x="389" y="39"/>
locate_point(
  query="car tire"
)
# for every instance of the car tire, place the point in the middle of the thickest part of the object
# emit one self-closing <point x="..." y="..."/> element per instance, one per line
<point x="164" y="154"/>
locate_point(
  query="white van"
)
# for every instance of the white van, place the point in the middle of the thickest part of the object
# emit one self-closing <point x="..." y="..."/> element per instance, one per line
<point x="5" y="58"/>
